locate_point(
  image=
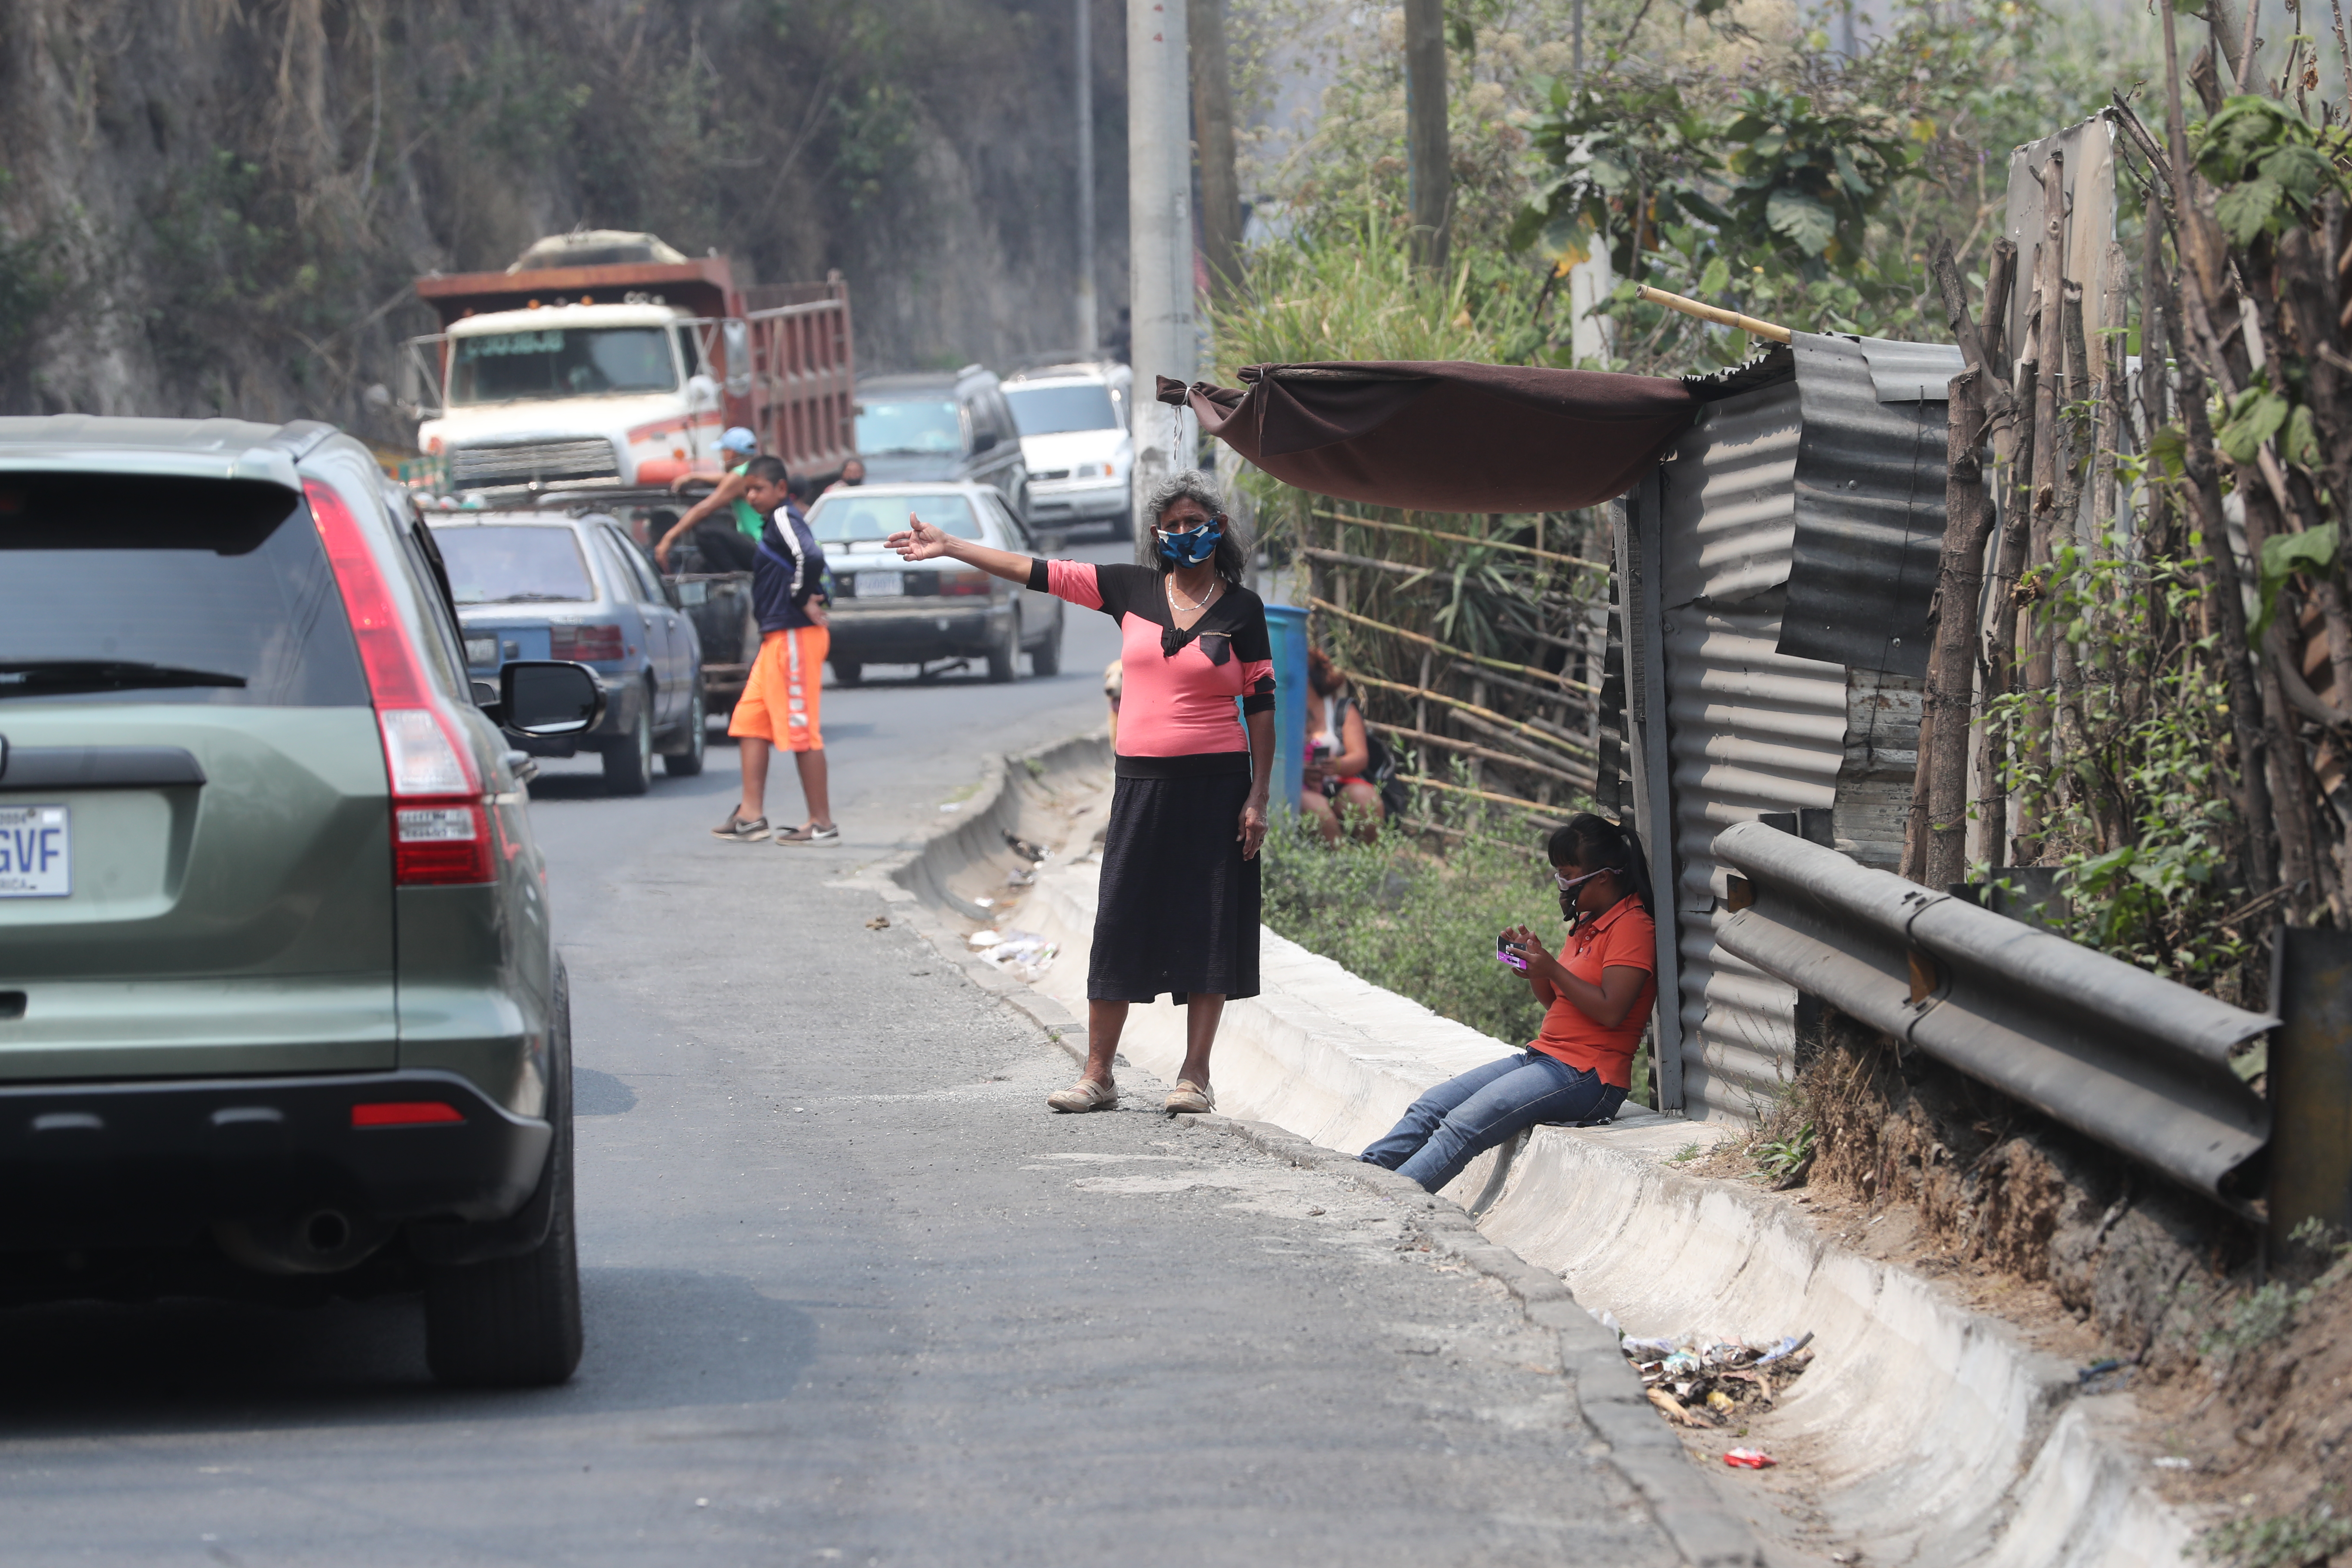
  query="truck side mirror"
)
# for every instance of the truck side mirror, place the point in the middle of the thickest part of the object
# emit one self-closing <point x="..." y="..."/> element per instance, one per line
<point x="983" y="441"/>
<point x="550" y="696"/>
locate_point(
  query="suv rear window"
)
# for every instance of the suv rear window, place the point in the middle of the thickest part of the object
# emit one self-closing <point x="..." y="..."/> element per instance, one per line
<point x="145" y="589"/>
<point x="490" y="565"/>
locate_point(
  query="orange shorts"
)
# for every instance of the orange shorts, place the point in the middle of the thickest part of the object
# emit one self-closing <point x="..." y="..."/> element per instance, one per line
<point x="779" y="704"/>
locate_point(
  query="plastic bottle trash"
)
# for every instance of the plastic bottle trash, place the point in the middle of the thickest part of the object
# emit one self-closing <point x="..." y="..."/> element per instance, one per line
<point x="1749" y="1459"/>
<point x="1646" y="1349"/>
<point x="1784" y="1347"/>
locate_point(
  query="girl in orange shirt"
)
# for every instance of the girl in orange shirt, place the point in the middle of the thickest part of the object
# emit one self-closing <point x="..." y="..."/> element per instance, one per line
<point x="1597" y="995"/>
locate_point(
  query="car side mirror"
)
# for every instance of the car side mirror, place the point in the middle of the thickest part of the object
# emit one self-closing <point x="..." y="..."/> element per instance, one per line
<point x="550" y="696"/>
<point x="983" y="441"/>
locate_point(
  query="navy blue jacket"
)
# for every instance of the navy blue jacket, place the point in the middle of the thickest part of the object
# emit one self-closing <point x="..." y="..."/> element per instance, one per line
<point x="788" y="568"/>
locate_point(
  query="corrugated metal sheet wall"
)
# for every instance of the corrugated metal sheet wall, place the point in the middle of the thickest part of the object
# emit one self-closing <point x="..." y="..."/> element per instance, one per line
<point x="1749" y="730"/>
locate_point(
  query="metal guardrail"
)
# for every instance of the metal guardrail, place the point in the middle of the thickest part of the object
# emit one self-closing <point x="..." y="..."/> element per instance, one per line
<point x="2136" y="1062"/>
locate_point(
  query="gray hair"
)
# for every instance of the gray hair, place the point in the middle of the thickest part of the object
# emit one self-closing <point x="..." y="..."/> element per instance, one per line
<point x="1191" y="483"/>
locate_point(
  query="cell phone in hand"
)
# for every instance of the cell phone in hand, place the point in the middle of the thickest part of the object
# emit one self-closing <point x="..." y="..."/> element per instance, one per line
<point x="1503" y="953"/>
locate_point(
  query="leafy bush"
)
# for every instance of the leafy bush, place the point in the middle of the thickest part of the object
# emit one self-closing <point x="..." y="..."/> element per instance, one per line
<point x="1421" y="924"/>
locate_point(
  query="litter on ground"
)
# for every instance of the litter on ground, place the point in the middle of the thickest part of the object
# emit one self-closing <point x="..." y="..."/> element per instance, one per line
<point x="1749" y="1459"/>
<point x="1698" y="1383"/>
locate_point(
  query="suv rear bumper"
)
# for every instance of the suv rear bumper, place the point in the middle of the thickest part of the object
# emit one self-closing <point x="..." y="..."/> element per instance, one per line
<point x="153" y="1162"/>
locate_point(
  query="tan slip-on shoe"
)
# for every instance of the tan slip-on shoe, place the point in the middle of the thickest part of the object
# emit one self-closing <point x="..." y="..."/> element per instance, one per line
<point x="1084" y="1095"/>
<point x="1191" y="1098"/>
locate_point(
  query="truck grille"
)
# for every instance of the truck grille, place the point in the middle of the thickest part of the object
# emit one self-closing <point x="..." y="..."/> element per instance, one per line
<point x="519" y="462"/>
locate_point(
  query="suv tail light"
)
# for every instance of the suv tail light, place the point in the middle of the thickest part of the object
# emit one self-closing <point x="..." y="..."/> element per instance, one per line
<point x="441" y="834"/>
<point x="965" y="582"/>
<point x="589" y="645"/>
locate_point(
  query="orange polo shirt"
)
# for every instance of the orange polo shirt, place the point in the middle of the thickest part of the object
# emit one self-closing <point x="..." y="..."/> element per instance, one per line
<point x="1621" y="937"/>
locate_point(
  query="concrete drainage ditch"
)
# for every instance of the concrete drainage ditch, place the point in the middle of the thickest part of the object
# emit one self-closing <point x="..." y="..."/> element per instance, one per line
<point x="1924" y="1431"/>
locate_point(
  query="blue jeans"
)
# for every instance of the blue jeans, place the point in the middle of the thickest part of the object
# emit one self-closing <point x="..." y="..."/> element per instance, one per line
<point x="1454" y="1122"/>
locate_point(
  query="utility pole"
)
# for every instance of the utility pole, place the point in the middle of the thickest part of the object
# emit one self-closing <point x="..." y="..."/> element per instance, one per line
<point x="1089" y="327"/>
<point x="1212" y="120"/>
<point x="1429" y="158"/>
<point x="1159" y="233"/>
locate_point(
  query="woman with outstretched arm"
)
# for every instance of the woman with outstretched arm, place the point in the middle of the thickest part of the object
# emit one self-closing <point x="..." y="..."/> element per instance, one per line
<point x="1178" y="914"/>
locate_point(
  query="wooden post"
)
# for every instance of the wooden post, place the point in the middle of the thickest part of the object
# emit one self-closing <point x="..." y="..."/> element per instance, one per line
<point x="1429" y="156"/>
<point x="1940" y="792"/>
<point x="2050" y="350"/>
<point x="2001" y="640"/>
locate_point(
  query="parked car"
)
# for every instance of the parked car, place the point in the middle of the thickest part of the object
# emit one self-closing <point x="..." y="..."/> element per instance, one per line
<point x="942" y="424"/>
<point x="543" y="584"/>
<point x="279" y="1010"/>
<point x="1076" y="426"/>
<point x="888" y="611"/>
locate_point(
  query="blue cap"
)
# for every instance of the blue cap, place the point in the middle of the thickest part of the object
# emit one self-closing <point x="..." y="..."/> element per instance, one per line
<point x="739" y="439"/>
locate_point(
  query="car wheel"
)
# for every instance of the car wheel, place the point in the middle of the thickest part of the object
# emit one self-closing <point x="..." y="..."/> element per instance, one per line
<point x="514" y="1322"/>
<point x="1045" y="659"/>
<point x="686" y="763"/>
<point x="847" y="672"/>
<point x="1004" y="658"/>
<point x="629" y="763"/>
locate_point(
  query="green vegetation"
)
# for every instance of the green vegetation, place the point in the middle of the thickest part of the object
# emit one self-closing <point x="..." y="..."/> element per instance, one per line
<point x="2312" y="1534"/>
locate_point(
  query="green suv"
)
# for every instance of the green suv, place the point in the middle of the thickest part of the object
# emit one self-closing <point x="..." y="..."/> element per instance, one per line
<point x="279" y="1011"/>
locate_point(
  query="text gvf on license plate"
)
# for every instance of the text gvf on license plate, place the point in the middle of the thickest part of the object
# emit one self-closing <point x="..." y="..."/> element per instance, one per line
<point x="36" y="852"/>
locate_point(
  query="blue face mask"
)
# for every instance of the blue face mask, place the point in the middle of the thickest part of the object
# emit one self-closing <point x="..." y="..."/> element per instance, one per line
<point x="1192" y="546"/>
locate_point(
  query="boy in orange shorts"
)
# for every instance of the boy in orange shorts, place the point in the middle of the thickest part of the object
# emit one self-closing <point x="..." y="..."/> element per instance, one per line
<point x="780" y="700"/>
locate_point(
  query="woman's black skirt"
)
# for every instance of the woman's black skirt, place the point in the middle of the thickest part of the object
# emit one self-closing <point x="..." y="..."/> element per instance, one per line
<point x="1179" y="906"/>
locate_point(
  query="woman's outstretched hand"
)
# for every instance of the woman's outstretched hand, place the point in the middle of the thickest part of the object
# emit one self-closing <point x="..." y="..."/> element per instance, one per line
<point x="919" y="541"/>
<point x="1252" y="831"/>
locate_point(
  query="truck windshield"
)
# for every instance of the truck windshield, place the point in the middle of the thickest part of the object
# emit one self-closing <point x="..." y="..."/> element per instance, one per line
<point x="1053" y="410"/>
<point x="926" y="426"/>
<point x="846" y="516"/>
<point x="494" y="565"/>
<point x="117" y="588"/>
<point x="563" y="361"/>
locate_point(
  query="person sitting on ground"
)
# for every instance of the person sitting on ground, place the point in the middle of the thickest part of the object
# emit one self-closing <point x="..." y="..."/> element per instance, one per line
<point x="731" y="542"/>
<point x="1338" y="755"/>
<point x="1597" y="995"/>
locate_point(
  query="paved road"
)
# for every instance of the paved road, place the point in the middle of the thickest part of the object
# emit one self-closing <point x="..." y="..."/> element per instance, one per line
<point x="851" y="1295"/>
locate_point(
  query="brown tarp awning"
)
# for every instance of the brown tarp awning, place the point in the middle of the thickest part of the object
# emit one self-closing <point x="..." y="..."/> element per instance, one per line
<point x="1447" y="435"/>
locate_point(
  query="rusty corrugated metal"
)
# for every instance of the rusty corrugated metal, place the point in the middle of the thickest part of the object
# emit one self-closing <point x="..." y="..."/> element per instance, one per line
<point x="1869" y="516"/>
<point x="1730" y="510"/>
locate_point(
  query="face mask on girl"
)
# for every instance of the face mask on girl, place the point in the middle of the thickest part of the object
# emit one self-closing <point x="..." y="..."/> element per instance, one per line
<point x="1192" y="546"/>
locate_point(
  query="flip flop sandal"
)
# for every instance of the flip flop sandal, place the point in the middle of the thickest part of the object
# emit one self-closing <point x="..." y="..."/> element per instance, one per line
<point x="1191" y="1098"/>
<point x="1084" y="1095"/>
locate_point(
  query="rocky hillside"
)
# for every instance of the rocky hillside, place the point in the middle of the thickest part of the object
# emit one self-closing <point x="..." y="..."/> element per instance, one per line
<point x="217" y="206"/>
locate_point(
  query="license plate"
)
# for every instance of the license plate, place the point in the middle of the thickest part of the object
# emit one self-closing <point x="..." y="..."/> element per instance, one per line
<point x="880" y="584"/>
<point x="36" y="852"/>
<point x="482" y="651"/>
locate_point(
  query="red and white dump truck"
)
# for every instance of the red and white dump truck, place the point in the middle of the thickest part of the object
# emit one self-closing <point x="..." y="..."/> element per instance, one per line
<point x="607" y="361"/>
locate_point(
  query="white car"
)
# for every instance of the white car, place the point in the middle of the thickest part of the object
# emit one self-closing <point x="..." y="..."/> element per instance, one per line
<point x="1077" y="437"/>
